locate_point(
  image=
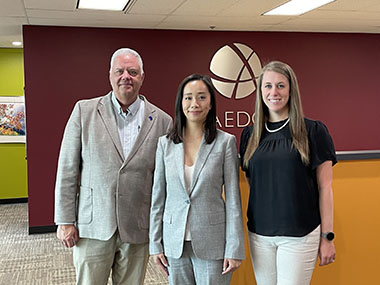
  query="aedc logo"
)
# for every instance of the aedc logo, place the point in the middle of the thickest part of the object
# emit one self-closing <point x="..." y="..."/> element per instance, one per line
<point x="235" y="69"/>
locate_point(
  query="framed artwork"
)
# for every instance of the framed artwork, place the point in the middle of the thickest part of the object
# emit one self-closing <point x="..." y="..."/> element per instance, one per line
<point x="12" y="119"/>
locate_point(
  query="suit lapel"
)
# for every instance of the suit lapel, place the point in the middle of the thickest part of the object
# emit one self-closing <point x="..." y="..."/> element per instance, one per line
<point x="150" y="116"/>
<point x="202" y="156"/>
<point x="180" y="163"/>
<point x="109" y="120"/>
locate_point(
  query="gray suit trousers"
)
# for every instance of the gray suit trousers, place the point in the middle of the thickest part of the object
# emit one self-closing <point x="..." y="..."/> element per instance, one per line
<point x="191" y="270"/>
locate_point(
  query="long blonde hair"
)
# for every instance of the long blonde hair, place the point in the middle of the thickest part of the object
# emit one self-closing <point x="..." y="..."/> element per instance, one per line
<point x="296" y="123"/>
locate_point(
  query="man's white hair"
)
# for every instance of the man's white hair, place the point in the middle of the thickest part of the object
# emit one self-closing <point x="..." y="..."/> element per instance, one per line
<point x="124" y="51"/>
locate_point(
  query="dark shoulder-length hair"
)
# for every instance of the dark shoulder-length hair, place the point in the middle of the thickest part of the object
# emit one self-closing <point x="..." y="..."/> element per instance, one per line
<point x="176" y="133"/>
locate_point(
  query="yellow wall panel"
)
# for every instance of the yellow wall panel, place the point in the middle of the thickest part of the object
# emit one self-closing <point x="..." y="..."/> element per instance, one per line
<point x="11" y="72"/>
<point x="13" y="182"/>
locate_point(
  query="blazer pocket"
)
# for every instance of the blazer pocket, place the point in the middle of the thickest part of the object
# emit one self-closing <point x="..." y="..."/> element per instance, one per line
<point x="85" y="205"/>
<point x="217" y="218"/>
<point x="168" y="233"/>
<point x="144" y="211"/>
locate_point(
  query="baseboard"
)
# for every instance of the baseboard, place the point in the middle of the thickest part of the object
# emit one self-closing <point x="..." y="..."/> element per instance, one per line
<point x="42" y="229"/>
<point x="14" y="201"/>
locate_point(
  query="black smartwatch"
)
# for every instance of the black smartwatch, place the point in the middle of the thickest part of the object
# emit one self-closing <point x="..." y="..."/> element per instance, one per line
<point x="329" y="236"/>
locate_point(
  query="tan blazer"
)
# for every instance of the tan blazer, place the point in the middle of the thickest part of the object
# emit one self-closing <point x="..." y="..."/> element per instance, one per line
<point x="97" y="187"/>
<point x="215" y="224"/>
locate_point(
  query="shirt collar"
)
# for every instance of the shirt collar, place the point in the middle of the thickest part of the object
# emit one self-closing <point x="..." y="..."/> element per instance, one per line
<point x="132" y="109"/>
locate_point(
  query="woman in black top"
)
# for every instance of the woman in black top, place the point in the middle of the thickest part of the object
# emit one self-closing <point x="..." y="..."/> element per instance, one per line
<point x="288" y="163"/>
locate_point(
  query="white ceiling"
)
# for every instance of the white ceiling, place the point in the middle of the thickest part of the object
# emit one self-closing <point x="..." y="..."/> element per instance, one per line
<point x="357" y="16"/>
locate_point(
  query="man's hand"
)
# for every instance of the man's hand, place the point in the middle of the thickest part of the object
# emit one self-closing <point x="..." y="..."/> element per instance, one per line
<point x="161" y="263"/>
<point x="68" y="235"/>
<point x="230" y="265"/>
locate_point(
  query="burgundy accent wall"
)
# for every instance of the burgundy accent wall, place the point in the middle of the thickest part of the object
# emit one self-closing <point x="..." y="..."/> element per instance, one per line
<point x="338" y="76"/>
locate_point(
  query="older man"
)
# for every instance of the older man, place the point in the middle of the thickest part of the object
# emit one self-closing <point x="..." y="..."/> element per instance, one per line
<point x="105" y="175"/>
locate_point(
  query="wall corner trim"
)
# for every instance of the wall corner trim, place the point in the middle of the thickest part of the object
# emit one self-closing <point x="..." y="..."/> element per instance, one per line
<point x="358" y="155"/>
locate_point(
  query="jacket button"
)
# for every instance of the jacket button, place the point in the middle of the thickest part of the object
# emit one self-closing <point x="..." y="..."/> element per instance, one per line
<point x="187" y="201"/>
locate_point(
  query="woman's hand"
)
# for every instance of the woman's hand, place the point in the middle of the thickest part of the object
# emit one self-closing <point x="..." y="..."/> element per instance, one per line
<point x="230" y="265"/>
<point x="161" y="263"/>
<point x="326" y="252"/>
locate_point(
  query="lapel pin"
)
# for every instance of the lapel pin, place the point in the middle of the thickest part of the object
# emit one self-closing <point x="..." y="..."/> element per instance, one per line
<point x="150" y="118"/>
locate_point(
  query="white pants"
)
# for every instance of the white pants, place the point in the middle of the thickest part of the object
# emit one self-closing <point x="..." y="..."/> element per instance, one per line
<point x="284" y="260"/>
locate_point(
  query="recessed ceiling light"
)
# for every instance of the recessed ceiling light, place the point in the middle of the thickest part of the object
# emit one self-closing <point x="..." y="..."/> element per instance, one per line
<point x="113" y="5"/>
<point x="17" y="43"/>
<point x="297" y="7"/>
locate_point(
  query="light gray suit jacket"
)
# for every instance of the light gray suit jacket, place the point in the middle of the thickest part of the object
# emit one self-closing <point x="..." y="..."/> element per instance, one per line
<point x="99" y="189"/>
<point x="215" y="224"/>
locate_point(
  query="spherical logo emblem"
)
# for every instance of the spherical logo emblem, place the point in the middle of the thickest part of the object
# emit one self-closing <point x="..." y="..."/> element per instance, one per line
<point x="235" y="69"/>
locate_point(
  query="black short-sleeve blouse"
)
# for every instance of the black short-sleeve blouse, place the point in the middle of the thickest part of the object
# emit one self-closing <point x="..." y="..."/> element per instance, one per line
<point x="283" y="198"/>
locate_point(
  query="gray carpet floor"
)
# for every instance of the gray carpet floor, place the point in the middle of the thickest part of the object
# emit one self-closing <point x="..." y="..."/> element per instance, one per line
<point x="39" y="258"/>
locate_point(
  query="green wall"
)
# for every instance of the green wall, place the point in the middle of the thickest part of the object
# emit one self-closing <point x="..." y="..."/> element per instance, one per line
<point x="13" y="173"/>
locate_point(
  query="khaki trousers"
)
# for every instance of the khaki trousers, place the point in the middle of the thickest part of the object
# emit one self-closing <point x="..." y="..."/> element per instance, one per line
<point x="94" y="260"/>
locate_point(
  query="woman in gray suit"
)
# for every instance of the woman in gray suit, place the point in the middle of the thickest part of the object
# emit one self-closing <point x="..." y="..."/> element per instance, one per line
<point x="196" y="232"/>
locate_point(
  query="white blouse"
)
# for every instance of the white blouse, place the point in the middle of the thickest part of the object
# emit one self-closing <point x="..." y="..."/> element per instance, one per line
<point x="188" y="177"/>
